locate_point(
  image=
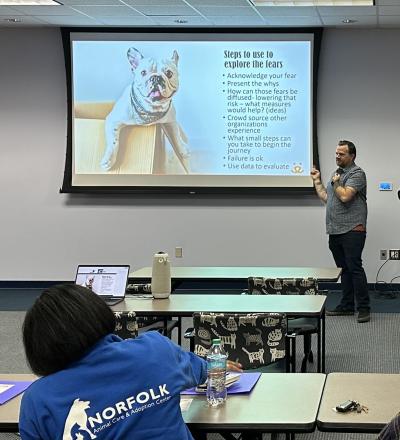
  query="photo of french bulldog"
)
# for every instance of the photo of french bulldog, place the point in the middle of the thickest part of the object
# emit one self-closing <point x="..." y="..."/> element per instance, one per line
<point x="147" y="100"/>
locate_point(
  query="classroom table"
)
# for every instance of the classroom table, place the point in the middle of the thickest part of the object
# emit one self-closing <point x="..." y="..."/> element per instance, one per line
<point x="186" y="305"/>
<point x="379" y="392"/>
<point x="279" y="402"/>
<point x="9" y="411"/>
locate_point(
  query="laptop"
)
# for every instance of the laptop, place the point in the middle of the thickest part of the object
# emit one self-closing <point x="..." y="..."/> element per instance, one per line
<point x="108" y="282"/>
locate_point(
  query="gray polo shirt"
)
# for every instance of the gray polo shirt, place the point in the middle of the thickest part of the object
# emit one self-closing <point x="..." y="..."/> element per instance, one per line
<point x="343" y="217"/>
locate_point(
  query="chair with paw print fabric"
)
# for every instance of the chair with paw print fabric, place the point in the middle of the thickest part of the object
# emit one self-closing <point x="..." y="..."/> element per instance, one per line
<point x="257" y="340"/>
<point x="291" y="286"/>
<point x="126" y="325"/>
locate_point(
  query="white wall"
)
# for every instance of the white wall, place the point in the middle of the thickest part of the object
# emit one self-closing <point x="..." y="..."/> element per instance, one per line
<point x="44" y="234"/>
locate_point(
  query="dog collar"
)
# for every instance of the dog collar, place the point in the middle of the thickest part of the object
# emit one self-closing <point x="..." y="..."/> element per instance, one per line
<point x="145" y="116"/>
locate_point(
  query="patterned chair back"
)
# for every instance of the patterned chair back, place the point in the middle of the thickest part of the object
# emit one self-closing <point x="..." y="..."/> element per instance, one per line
<point x="126" y="325"/>
<point x="255" y="340"/>
<point x="282" y="286"/>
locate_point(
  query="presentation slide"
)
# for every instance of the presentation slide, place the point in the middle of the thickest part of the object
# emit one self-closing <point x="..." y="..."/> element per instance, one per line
<point x="187" y="110"/>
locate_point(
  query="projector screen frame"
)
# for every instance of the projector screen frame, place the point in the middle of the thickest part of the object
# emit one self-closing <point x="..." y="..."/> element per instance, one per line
<point x="68" y="187"/>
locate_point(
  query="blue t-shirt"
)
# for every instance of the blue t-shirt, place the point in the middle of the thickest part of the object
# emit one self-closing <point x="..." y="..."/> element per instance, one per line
<point x="120" y="390"/>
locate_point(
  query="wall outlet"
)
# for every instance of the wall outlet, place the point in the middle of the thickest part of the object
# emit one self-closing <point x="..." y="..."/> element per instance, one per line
<point x="383" y="254"/>
<point x="394" y="254"/>
<point x="178" y="252"/>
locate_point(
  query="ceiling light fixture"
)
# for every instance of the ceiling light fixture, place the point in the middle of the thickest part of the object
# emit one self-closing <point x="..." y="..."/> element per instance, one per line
<point x="348" y="21"/>
<point x="29" y="3"/>
<point x="13" y="20"/>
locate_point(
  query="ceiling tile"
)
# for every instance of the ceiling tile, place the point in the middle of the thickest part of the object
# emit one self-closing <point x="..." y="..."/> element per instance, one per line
<point x="361" y="21"/>
<point x="287" y="11"/>
<point x="127" y="21"/>
<point x="347" y="10"/>
<point x="135" y="3"/>
<point x="388" y="2"/>
<point x="394" y="20"/>
<point x="389" y="10"/>
<point x="45" y="10"/>
<point x="62" y="20"/>
<point x="91" y="2"/>
<point x="229" y="3"/>
<point x="237" y="21"/>
<point x="216" y="12"/>
<point x="166" y="10"/>
<point x="329" y="3"/>
<point x="293" y="21"/>
<point x="238" y="11"/>
<point x="107" y="11"/>
<point x="4" y="10"/>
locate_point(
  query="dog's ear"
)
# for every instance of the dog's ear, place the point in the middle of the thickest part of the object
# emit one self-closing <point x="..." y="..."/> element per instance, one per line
<point x="175" y="57"/>
<point x="134" y="57"/>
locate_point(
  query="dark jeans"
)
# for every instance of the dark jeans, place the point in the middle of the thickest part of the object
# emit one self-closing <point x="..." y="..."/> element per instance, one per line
<point x="346" y="250"/>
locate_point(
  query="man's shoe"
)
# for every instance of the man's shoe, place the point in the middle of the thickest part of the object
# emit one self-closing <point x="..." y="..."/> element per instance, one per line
<point x="363" y="316"/>
<point x="339" y="311"/>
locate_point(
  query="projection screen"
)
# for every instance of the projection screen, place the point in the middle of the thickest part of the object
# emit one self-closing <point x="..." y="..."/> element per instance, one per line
<point x="191" y="111"/>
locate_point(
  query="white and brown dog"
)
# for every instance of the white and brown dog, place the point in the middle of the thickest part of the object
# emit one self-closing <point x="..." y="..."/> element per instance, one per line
<point x="147" y="101"/>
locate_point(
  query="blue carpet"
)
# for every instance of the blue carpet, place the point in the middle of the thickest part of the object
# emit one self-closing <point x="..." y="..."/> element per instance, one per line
<point x="20" y="299"/>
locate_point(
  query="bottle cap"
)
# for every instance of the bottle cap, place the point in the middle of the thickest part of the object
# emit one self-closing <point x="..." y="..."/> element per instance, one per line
<point x="216" y="341"/>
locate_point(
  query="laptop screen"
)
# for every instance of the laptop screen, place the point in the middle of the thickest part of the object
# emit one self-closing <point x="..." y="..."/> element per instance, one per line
<point x="104" y="280"/>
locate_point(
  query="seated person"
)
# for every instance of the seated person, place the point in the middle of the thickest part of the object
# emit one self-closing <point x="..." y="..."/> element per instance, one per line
<point x="94" y="384"/>
<point x="392" y="430"/>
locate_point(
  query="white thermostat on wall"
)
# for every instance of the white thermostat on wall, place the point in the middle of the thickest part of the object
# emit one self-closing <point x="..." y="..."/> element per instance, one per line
<point x="385" y="186"/>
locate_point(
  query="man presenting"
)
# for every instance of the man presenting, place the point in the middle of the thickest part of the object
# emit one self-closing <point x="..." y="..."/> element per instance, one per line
<point x="346" y="220"/>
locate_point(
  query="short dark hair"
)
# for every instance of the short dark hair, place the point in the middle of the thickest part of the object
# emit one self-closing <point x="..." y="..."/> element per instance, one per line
<point x="350" y="146"/>
<point x="63" y="323"/>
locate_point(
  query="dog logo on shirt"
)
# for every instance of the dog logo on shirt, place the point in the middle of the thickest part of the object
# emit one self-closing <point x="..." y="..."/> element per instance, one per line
<point x="77" y="416"/>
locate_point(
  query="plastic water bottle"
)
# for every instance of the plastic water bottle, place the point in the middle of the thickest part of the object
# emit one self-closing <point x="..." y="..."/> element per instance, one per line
<point x="216" y="372"/>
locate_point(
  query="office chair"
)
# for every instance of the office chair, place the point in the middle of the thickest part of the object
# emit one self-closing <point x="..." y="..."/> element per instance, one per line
<point x="259" y="341"/>
<point x="128" y="325"/>
<point x="293" y="286"/>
